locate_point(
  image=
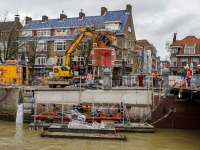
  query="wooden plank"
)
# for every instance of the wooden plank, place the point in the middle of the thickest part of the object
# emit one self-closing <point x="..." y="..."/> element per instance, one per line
<point x="83" y="135"/>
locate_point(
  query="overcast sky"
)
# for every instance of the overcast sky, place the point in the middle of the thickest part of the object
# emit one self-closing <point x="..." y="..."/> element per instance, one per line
<point x="154" y="20"/>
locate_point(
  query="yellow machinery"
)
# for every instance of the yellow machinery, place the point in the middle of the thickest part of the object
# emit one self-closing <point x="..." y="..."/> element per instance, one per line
<point x="61" y="73"/>
<point x="14" y="72"/>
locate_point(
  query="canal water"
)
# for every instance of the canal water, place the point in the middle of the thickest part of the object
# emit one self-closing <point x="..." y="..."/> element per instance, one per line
<point x="19" y="137"/>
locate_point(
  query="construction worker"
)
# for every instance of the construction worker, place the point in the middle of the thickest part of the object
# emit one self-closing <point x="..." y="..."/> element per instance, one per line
<point x="141" y="76"/>
<point x="80" y="107"/>
<point x="155" y="78"/>
<point x="189" y="76"/>
<point x="75" y="66"/>
<point x="183" y="75"/>
<point x="198" y="75"/>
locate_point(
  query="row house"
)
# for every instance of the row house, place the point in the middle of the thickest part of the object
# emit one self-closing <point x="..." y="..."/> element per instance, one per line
<point x="185" y="52"/>
<point x="54" y="37"/>
<point x="150" y="59"/>
<point x="9" y="33"/>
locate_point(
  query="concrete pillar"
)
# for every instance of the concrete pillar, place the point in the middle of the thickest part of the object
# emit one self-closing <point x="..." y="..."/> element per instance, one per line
<point x="166" y="85"/>
<point x="107" y="79"/>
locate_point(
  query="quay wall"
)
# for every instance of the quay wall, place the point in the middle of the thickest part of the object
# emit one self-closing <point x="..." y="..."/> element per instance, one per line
<point x="138" y="100"/>
<point x="186" y="115"/>
<point x="8" y="106"/>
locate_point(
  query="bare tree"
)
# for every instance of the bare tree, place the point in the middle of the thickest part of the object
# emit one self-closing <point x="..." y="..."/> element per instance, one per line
<point x="9" y="34"/>
<point x="168" y="50"/>
<point x="33" y="48"/>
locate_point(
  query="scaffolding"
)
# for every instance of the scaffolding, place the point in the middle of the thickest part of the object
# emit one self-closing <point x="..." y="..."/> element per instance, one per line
<point x="97" y="111"/>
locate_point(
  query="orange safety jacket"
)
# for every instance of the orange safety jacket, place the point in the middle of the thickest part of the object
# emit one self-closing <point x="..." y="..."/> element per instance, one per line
<point x="189" y="74"/>
<point x="155" y="74"/>
<point x="75" y="67"/>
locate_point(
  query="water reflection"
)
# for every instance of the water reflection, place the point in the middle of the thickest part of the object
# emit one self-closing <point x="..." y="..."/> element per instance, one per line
<point x="19" y="137"/>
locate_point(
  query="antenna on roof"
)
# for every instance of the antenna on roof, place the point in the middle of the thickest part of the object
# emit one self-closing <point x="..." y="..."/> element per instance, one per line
<point x="81" y="10"/>
<point x="16" y="14"/>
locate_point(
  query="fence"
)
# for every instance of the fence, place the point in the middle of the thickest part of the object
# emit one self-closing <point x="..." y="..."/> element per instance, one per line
<point x="195" y="80"/>
<point x="133" y="80"/>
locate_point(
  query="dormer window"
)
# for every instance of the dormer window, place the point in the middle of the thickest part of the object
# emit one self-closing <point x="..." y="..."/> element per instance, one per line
<point x="189" y="49"/>
<point x="113" y="25"/>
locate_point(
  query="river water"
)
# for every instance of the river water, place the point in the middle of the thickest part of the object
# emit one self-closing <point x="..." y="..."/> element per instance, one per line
<point x="19" y="137"/>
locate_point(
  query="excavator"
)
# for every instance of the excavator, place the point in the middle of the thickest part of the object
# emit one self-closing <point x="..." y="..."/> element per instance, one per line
<point x="64" y="75"/>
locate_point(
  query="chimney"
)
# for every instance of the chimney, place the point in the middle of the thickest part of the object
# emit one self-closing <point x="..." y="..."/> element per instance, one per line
<point x="44" y="18"/>
<point x="81" y="15"/>
<point x="17" y="18"/>
<point x="103" y="10"/>
<point x="174" y="39"/>
<point x="129" y="8"/>
<point x="27" y="19"/>
<point x="62" y="16"/>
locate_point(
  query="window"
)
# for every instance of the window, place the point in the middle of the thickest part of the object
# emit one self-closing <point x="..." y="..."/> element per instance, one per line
<point x="173" y="62"/>
<point x="195" y="61"/>
<point x="77" y="31"/>
<point x="43" y="33"/>
<point x="125" y="43"/>
<point x="40" y="61"/>
<point x="189" y="50"/>
<point x="67" y="31"/>
<point x="42" y="46"/>
<point x="124" y="57"/>
<point x="111" y="27"/>
<point x="61" y="31"/>
<point x="184" y="62"/>
<point x="132" y="60"/>
<point x="59" y="45"/>
<point x="60" y="60"/>
<point x="139" y="53"/>
<point x="80" y="60"/>
<point x="129" y="29"/>
<point x="26" y="33"/>
<point x="129" y="44"/>
<point x="174" y="51"/>
<point x="132" y="47"/>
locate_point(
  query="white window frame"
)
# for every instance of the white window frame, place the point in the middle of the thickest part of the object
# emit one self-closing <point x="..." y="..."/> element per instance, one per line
<point x="112" y="26"/>
<point x="174" y="50"/>
<point x="132" y="60"/>
<point x="173" y="60"/>
<point x="132" y="46"/>
<point x="60" y="43"/>
<point x="125" y="43"/>
<point x="41" y="46"/>
<point x="195" y="60"/>
<point x="43" y="32"/>
<point x="124" y="57"/>
<point x="129" y="29"/>
<point x="60" y="60"/>
<point x="68" y="32"/>
<point x="26" y="33"/>
<point x="38" y="60"/>
<point x="189" y="50"/>
<point x="182" y="60"/>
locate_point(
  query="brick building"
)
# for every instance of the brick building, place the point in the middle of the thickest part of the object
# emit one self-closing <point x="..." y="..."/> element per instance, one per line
<point x="151" y="54"/>
<point x="9" y="33"/>
<point x="185" y="52"/>
<point x="56" y="35"/>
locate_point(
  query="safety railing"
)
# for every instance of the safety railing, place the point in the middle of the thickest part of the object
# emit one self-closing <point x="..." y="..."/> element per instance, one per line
<point x="135" y="80"/>
<point x="189" y="83"/>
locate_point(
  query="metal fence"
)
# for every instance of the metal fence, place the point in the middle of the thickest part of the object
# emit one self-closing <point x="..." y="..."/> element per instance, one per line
<point x="133" y="81"/>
